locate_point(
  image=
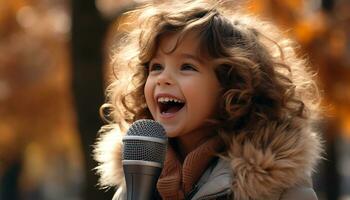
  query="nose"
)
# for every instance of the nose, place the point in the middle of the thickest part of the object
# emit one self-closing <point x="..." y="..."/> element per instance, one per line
<point x="165" y="78"/>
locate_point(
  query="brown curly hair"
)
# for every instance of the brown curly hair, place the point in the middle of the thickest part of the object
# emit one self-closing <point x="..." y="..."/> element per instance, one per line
<point x="262" y="77"/>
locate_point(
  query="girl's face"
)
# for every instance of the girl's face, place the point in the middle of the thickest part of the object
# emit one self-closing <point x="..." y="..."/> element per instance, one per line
<point x="181" y="89"/>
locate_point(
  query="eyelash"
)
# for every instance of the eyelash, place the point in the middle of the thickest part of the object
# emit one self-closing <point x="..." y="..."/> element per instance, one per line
<point x="191" y="67"/>
<point x="157" y="67"/>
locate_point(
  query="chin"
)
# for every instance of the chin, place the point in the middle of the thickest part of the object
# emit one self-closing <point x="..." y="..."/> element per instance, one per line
<point x="171" y="133"/>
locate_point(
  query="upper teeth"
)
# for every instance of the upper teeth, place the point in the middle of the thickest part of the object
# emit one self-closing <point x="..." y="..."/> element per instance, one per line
<point x="168" y="99"/>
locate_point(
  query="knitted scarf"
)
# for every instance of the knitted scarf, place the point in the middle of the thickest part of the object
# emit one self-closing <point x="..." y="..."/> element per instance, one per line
<point x="177" y="179"/>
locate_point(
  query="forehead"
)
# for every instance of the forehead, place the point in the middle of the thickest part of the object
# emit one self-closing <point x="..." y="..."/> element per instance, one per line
<point x="177" y="42"/>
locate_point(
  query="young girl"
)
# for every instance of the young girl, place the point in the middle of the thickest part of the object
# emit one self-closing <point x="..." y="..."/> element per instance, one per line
<point x="236" y="102"/>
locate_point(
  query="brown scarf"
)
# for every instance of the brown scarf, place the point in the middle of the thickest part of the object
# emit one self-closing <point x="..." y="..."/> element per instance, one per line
<point x="177" y="179"/>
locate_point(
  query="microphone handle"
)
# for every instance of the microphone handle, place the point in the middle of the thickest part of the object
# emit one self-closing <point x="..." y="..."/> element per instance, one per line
<point x="141" y="181"/>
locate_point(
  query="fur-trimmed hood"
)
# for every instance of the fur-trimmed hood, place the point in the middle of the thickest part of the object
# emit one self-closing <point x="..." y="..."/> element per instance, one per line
<point x="277" y="156"/>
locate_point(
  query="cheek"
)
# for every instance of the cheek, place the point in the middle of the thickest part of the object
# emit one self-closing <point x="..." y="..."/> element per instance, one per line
<point x="148" y="93"/>
<point x="202" y="100"/>
<point x="203" y="95"/>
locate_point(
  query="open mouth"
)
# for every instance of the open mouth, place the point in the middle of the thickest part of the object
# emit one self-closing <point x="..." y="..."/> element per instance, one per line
<point x="170" y="105"/>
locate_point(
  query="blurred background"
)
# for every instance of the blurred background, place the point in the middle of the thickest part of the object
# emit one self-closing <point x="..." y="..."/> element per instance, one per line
<point x="54" y="60"/>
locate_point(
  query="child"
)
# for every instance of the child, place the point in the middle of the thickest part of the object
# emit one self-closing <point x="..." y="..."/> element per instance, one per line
<point x="236" y="102"/>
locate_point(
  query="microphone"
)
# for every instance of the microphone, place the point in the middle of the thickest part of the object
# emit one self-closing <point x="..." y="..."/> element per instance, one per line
<point x="143" y="154"/>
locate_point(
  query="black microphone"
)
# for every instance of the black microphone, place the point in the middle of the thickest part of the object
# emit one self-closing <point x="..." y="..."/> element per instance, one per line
<point x="144" y="148"/>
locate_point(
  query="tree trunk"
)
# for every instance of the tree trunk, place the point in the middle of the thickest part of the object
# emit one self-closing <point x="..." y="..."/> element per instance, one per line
<point x="88" y="32"/>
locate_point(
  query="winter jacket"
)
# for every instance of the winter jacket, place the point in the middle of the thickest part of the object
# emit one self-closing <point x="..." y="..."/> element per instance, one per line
<point x="274" y="163"/>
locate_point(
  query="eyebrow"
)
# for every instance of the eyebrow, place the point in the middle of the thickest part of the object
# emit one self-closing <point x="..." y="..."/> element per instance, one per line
<point x="193" y="57"/>
<point x="188" y="56"/>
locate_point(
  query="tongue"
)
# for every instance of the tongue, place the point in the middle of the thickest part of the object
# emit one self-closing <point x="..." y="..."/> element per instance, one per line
<point x="173" y="109"/>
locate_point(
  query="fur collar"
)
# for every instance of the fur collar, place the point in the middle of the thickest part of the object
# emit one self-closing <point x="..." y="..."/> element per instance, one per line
<point x="279" y="155"/>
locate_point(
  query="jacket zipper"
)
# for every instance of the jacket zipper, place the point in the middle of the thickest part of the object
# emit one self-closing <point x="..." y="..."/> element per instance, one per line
<point x="192" y="192"/>
<point x="225" y="193"/>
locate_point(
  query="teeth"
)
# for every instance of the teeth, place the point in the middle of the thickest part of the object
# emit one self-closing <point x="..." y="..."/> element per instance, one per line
<point x="168" y="99"/>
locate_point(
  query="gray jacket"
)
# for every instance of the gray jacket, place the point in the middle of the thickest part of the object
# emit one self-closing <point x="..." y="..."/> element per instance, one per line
<point x="274" y="163"/>
<point x="216" y="183"/>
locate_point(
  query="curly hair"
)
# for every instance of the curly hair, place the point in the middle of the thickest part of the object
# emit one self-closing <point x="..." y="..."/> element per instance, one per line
<point x="261" y="75"/>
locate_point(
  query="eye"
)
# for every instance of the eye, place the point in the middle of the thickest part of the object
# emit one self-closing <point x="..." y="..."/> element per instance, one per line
<point x="189" y="67"/>
<point x="155" y="67"/>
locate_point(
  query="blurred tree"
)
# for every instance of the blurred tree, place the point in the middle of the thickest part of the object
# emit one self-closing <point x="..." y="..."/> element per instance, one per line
<point x="88" y="31"/>
<point x="321" y="27"/>
<point x="9" y="188"/>
<point x="39" y="153"/>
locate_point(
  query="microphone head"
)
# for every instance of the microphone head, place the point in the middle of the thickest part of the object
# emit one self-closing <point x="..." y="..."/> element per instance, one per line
<point x="145" y="144"/>
<point x="148" y="128"/>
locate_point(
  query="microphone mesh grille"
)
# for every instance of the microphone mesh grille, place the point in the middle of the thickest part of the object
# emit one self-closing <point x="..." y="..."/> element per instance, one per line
<point x="135" y="149"/>
<point x="147" y="127"/>
<point x="144" y="150"/>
